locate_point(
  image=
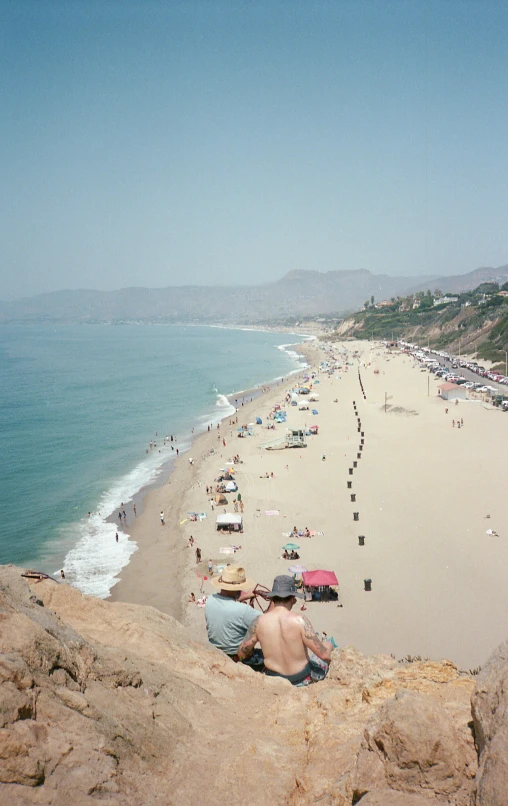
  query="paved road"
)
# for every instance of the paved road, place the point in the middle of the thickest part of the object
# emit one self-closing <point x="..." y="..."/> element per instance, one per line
<point x="472" y="376"/>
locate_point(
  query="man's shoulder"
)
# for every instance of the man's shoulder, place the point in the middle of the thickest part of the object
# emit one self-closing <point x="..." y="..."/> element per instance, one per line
<point x="296" y="619"/>
<point x="213" y="600"/>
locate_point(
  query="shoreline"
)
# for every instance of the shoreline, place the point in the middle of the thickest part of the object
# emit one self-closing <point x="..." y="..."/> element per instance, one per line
<point x="91" y="560"/>
<point x="153" y="541"/>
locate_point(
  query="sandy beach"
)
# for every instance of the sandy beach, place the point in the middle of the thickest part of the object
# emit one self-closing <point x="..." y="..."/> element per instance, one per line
<point x="423" y="493"/>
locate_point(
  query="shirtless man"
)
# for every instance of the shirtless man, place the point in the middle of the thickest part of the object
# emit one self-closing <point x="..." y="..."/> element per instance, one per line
<point x="286" y="638"/>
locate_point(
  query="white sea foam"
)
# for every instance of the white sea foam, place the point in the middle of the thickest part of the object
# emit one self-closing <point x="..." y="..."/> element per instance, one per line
<point x="227" y="410"/>
<point x="294" y="355"/>
<point x="96" y="560"/>
<point x="94" y="563"/>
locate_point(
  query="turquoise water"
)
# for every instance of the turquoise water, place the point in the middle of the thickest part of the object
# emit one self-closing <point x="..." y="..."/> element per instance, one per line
<point x="78" y="408"/>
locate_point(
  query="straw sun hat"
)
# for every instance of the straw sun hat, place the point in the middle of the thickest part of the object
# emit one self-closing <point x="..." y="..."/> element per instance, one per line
<point x="233" y="578"/>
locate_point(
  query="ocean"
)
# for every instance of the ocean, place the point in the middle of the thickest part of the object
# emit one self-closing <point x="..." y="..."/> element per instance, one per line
<point x="79" y="405"/>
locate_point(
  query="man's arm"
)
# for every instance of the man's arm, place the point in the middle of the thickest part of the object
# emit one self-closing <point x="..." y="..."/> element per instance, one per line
<point x="250" y="640"/>
<point x="323" y="649"/>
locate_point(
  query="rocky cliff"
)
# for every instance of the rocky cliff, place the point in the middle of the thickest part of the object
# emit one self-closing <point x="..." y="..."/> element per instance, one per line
<point x="112" y="703"/>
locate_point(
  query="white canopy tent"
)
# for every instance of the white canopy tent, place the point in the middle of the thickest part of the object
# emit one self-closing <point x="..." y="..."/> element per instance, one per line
<point x="229" y="521"/>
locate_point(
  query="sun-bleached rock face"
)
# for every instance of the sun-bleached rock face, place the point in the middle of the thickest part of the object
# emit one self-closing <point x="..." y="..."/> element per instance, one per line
<point x="413" y="746"/>
<point x="113" y="703"/>
<point x="490" y="716"/>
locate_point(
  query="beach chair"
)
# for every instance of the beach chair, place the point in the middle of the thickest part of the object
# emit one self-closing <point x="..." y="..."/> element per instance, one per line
<point x="259" y="598"/>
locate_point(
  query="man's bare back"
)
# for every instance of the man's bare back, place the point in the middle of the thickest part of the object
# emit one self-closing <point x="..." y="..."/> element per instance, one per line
<point x="285" y="639"/>
<point x="280" y="634"/>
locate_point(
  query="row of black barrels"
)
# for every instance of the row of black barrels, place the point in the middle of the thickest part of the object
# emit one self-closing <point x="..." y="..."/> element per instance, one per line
<point x="361" y="386"/>
<point x="367" y="583"/>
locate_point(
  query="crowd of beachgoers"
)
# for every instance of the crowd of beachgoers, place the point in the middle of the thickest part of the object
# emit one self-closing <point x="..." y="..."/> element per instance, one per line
<point x="370" y="498"/>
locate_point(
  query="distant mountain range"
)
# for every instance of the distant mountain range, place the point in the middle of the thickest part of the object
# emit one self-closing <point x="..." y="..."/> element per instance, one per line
<point x="297" y="294"/>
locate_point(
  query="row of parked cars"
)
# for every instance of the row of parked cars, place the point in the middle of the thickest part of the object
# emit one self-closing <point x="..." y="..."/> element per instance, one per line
<point x="452" y="375"/>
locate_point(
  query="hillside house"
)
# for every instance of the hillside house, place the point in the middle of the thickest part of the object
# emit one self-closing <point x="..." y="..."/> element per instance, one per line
<point x="445" y="300"/>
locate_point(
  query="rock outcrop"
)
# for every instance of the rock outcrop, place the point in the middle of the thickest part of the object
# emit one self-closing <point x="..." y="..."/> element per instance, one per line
<point x="490" y="718"/>
<point x="112" y="703"/>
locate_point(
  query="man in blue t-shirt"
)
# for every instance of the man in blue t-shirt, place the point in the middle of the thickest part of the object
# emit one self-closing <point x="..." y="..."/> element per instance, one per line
<point x="227" y="616"/>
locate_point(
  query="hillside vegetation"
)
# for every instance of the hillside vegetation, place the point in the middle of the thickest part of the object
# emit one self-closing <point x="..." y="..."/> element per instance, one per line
<point x="471" y="322"/>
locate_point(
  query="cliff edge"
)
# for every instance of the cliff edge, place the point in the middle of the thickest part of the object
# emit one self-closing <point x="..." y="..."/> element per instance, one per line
<point x="112" y="703"/>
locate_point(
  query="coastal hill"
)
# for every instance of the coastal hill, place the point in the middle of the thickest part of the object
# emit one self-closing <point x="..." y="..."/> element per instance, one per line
<point x="470" y="322"/>
<point x="112" y="703"/>
<point x="298" y="294"/>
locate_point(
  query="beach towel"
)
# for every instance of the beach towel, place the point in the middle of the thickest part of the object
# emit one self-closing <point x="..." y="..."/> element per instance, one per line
<point x="271" y="511"/>
<point x="226" y="550"/>
<point x="184" y="521"/>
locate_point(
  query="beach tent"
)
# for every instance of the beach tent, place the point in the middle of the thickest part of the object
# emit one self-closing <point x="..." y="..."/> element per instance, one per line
<point x="259" y="421"/>
<point x="220" y="499"/>
<point x="320" y="586"/>
<point x="315" y="579"/>
<point x="303" y="405"/>
<point x="229" y="522"/>
<point x="314" y="396"/>
<point x="231" y="487"/>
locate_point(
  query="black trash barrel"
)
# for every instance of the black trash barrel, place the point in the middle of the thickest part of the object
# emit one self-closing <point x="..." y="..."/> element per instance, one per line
<point x="349" y="485"/>
<point x="356" y="516"/>
<point x="355" y="464"/>
<point x="353" y="496"/>
<point x="358" y="455"/>
<point x="361" y="540"/>
<point x="362" y="441"/>
<point x="367" y="584"/>
<point x="350" y="471"/>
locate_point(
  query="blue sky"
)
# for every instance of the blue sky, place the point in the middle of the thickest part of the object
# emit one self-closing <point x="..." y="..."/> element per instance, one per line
<point x="170" y="143"/>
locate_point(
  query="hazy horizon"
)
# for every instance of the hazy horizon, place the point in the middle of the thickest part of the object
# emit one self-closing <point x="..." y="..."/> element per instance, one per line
<point x="157" y="144"/>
